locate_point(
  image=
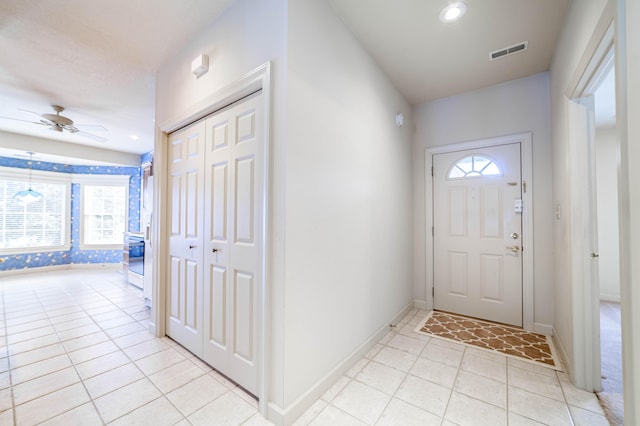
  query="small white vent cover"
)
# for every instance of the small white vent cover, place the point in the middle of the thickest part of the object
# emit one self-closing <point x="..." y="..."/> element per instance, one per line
<point x="501" y="53"/>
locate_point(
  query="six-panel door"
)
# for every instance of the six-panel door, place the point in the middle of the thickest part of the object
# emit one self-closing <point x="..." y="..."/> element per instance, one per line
<point x="216" y="186"/>
<point x="478" y="233"/>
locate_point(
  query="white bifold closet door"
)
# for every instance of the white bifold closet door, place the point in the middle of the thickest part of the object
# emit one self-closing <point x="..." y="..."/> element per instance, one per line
<point x="216" y="191"/>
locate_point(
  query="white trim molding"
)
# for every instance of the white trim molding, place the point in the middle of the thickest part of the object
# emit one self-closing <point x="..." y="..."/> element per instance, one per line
<point x="287" y="416"/>
<point x="528" y="283"/>
<point x="257" y="79"/>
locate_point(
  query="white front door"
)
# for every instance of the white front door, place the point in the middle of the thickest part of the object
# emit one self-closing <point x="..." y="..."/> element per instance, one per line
<point x="216" y="194"/>
<point x="477" y="233"/>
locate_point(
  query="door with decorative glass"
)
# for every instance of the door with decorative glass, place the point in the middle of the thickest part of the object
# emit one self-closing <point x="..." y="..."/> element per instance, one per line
<point x="477" y="234"/>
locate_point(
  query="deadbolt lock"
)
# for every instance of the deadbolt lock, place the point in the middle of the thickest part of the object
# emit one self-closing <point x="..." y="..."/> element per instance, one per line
<point x="514" y="235"/>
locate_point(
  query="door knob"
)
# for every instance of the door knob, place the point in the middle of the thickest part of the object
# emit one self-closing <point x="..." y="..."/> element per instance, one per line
<point x="595" y="255"/>
<point x="514" y="249"/>
<point x="215" y="250"/>
<point x="191" y="246"/>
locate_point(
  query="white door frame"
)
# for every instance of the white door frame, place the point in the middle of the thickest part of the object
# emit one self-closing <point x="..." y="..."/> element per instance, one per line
<point x="586" y="369"/>
<point x="527" y="217"/>
<point x="258" y="79"/>
<point x="624" y="39"/>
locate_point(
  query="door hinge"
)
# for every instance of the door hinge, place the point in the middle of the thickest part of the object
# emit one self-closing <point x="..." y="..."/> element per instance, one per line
<point x="432" y="171"/>
<point x="432" y="231"/>
<point x="433" y="292"/>
<point x="524" y="186"/>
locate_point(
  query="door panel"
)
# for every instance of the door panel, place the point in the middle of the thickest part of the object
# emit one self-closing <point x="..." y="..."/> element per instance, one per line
<point x="184" y="298"/>
<point x="244" y="196"/>
<point x="234" y="171"/>
<point x="218" y="303"/>
<point x="218" y="202"/>
<point x="475" y="271"/>
<point x="243" y="322"/>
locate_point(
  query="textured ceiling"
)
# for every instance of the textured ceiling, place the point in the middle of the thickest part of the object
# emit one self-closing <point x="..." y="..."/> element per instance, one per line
<point x="95" y="58"/>
<point x="98" y="58"/>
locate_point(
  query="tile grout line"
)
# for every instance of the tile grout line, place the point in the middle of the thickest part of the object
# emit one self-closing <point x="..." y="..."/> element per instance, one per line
<point x="464" y="351"/>
<point x="506" y="397"/>
<point x="72" y="364"/>
<point x="162" y="394"/>
<point x="111" y="339"/>
<point x="6" y="340"/>
<point x="564" y="397"/>
<point x="76" y="304"/>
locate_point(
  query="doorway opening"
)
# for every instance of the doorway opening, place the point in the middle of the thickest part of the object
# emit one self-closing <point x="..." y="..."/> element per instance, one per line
<point x="606" y="150"/>
<point x="595" y="238"/>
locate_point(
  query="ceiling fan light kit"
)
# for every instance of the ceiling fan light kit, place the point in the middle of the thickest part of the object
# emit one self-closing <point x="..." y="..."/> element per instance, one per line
<point x="60" y="123"/>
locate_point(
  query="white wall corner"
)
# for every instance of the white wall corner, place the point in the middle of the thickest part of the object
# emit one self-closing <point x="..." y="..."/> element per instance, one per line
<point x="420" y="304"/>
<point x="282" y="417"/>
<point x="546" y="329"/>
<point x="557" y="343"/>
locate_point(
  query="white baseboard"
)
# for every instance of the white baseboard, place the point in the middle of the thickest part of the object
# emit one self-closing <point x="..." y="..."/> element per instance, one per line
<point x="114" y="266"/>
<point x="568" y="368"/>
<point x="67" y="266"/>
<point x="279" y="416"/>
<point x="38" y="269"/>
<point x="610" y="297"/>
<point x="545" y="329"/>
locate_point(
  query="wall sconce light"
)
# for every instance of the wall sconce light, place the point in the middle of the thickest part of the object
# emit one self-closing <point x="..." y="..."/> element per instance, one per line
<point x="200" y="65"/>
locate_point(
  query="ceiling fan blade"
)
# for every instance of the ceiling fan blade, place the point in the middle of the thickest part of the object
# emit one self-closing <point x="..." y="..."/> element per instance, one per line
<point x="27" y="121"/>
<point x="92" y="127"/>
<point x="31" y="112"/>
<point x="91" y="136"/>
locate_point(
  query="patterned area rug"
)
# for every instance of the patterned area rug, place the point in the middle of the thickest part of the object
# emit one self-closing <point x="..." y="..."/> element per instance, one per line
<point x="512" y="341"/>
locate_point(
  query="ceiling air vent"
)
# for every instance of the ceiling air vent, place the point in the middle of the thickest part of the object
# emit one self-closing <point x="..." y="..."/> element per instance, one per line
<point x="509" y="50"/>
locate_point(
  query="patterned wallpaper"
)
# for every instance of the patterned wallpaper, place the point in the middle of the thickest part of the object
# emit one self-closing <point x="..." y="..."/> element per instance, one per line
<point x="75" y="255"/>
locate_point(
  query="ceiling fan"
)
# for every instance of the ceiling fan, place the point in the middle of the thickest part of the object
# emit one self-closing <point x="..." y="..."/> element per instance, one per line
<point x="60" y="123"/>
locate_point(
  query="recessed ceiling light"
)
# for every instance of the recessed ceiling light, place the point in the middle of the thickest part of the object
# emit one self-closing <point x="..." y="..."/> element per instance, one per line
<point x="453" y="12"/>
<point x="134" y="137"/>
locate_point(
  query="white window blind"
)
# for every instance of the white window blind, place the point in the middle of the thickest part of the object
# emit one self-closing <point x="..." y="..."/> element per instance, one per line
<point x="105" y="214"/>
<point x="36" y="225"/>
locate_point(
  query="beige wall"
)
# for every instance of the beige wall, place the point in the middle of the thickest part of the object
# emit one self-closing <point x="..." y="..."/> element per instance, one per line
<point x="514" y="107"/>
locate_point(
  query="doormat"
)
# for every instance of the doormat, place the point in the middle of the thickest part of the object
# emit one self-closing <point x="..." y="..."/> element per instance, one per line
<point x="511" y="341"/>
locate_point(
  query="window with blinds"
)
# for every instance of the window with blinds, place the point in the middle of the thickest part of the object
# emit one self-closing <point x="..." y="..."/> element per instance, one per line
<point x="38" y="226"/>
<point x="105" y="214"/>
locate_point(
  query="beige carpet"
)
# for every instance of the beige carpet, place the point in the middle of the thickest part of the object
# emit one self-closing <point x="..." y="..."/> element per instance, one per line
<point x="611" y="350"/>
<point x="512" y="341"/>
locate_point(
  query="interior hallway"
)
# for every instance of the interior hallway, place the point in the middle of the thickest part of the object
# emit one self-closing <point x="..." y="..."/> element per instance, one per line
<point x="75" y="350"/>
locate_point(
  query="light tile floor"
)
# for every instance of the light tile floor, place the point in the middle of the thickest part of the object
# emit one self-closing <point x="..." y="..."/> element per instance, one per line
<point x="74" y="350"/>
